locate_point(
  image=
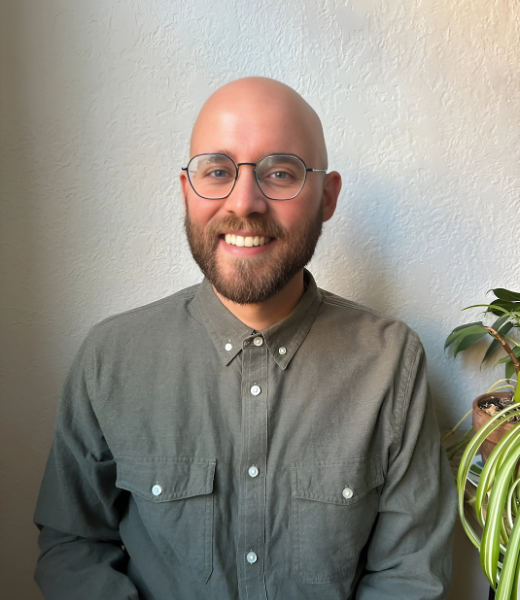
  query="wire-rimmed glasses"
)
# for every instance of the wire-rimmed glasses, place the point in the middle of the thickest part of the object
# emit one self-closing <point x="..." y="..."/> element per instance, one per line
<point x="279" y="176"/>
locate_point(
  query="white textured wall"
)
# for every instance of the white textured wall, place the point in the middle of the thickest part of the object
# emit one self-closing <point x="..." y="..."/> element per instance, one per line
<point x="421" y="104"/>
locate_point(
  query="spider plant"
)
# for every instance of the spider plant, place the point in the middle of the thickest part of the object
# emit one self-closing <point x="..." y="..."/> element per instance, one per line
<point x="497" y="501"/>
<point x="496" y="505"/>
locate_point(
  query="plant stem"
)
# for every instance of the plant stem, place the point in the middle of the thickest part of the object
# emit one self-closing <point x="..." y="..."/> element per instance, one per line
<point x="452" y="450"/>
<point x="507" y="348"/>
<point x="452" y="431"/>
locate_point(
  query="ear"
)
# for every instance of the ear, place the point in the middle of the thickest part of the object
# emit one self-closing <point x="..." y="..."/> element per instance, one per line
<point x="331" y="190"/>
<point x="184" y="186"/>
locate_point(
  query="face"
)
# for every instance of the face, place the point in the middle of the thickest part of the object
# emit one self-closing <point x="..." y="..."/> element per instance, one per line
<point x="251" y="274"/>
<point x="248" y="246"/>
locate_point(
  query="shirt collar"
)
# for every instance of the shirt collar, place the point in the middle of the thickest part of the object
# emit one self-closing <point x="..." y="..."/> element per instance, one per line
<point x="230" y="335"/>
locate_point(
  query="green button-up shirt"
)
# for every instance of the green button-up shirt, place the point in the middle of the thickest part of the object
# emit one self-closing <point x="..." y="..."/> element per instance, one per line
<point x="196" y="459"/>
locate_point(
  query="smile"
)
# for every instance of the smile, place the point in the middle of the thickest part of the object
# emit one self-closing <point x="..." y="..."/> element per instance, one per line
<point x="246" y="242"/>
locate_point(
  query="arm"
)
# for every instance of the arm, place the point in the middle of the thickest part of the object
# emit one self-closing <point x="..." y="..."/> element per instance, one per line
<point x="78" y="510"/>
<point x="409" y="555"/>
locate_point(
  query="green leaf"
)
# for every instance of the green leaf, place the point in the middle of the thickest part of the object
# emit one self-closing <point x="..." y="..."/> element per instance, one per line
<point x="473" y="328"/>
<point x="490" y="546"/>
<point x="508" y="576"/>
<point x="514" y="595"/>
<point x="502" y="321"/>
<point x="466" y="341"/>
<point x="490" y="468"/>
<point x="499" y="307"/>
<point x="475" y="331"/>
<point x="506" y="360"/>
<point x="490" y="350"/>
<point x="510" y="370"/>
<point x="504" y="294"/>
<point x="477" y="306"/>
<point x="456" y="332"/>
<point x="471" y="450"/>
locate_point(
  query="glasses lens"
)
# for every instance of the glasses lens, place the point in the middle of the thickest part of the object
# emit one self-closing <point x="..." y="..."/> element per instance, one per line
<point x="281" y="176"/>
<point x="212" y="175"/>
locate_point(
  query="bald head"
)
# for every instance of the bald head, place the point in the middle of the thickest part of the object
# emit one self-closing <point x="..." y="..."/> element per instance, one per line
<point x="248" y="244"/>
<point x="261" y="108"/>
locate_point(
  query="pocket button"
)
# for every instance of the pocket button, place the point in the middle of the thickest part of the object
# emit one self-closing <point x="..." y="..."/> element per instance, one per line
<point x="157" y="490"/>
<point x="347" y="493"/>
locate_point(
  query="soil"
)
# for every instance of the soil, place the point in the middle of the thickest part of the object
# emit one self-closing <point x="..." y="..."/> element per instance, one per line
<point x="494" y="405"/>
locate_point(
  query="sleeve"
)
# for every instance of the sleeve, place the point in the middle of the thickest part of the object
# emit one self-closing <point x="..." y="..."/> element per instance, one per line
<point x="410" y="553"/>
<point x="79" y="506"/>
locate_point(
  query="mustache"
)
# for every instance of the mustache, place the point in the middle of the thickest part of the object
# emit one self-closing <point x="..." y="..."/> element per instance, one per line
<point x="260" y="225"/>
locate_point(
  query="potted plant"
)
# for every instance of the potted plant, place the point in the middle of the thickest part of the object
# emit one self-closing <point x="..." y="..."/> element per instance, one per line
<point x="497" y="501"/>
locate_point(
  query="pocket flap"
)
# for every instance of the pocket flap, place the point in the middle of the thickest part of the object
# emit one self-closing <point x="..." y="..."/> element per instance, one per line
<point x="163" y="480"/>
<point x="337" y="483"/>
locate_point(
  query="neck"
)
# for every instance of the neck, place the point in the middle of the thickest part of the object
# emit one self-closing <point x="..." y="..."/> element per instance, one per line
<point x="264" y="314"/>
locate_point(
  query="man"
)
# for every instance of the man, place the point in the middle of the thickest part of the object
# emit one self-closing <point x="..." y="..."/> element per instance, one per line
<point x="252" y="437"/>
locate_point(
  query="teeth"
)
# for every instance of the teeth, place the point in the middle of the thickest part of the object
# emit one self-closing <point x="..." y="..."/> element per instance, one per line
<point x="246" y="242"/>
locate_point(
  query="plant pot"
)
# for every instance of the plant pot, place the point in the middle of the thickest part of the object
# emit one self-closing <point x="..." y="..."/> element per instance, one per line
<point x="480" y="418"/>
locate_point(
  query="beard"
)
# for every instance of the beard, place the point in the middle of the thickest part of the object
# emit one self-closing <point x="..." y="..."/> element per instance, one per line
<point x="255" y="279"/>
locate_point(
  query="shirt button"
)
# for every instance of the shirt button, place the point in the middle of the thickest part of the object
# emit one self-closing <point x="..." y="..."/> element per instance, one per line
<point x="347" y="493"/>
<point x="251" y="557"/>
<point x="253" y="471"/>
<point x="157" y="490"/>
<point x="282" y="350"/>
<point x="258" y="341"/>
<point x="228" y="347"/>
<point x="255" y="390"/>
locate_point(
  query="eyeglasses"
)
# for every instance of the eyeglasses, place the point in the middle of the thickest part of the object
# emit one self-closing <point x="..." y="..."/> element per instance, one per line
<point x="279" y="176"/>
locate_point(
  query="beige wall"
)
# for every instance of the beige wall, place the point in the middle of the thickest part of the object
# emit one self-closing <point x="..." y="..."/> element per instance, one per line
<point x="421" y="105"/>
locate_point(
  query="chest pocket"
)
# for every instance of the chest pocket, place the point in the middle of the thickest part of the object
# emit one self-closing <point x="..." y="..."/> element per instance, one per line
<point x="174" y="499"/>
<point x="334" y="506"/>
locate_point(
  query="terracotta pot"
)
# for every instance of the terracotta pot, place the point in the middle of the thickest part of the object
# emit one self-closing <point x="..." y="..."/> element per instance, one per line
<point x="480" y="418"/>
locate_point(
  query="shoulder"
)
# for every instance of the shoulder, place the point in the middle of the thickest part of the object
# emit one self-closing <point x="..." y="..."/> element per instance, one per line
<point x="147" y="322"/>
<point x="366" y="323"/>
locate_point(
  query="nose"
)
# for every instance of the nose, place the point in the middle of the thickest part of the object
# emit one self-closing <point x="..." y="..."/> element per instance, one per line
<point x="246" y="197"/>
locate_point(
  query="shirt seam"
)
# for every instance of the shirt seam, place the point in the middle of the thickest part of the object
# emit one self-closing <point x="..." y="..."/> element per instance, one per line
<point x="405" y="396"/>
<point x="181" y="294"/>
<point x="344" y="303"/>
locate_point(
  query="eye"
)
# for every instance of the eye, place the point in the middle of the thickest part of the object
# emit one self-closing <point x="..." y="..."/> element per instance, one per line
<point x="281" y="170"/>
<point x="212" y="168"/>
<point x="218" y="173"/>
<point x="280" y="175"/>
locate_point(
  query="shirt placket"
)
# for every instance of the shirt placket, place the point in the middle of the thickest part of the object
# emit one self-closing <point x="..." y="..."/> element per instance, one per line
<point x="251" y="541"/>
